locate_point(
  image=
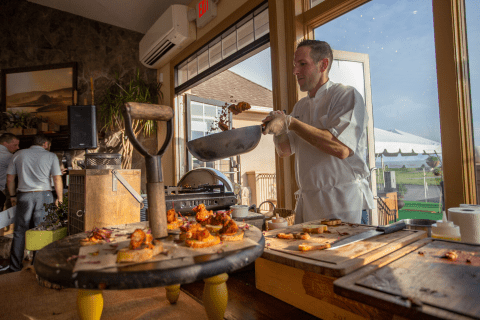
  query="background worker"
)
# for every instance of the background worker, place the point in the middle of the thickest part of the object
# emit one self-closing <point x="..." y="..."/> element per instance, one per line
<point x="8" y="145"/>
<point x="34" y="166"/>
<point x="327" y="133"/>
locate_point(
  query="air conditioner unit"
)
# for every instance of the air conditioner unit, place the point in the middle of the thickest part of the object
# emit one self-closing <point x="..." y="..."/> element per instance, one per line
<point x="169" y="35"/>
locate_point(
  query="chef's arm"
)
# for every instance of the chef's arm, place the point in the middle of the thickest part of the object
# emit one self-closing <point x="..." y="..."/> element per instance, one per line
<point x="282" y="145"/>
<point x="321" y="139"/>
<point x="57" y="182"/>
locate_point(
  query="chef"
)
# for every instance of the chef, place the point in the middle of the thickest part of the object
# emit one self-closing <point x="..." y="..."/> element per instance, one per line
<point x="327" y="133"/>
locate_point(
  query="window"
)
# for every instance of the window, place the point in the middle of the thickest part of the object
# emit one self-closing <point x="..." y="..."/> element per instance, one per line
<point x="201" y="114"/>
<point x="399" y="42"/>
<point x="246" y="35"/>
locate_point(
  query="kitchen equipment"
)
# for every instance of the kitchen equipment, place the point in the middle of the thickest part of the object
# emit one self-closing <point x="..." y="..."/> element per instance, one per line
<point x="225" y="144"/>
<point x="420" y="224"/>
<point x="397" y="226"/>
<point x="277" y="223"/>
<point x="155" y="187"/>
<point x="203" y="176"/>
<point x="446" y="230"/>
<point x="97" y="199"/>
<point x="419" y="282"/>
<point x="239" y="211"/>
<point x="103" y="161"/>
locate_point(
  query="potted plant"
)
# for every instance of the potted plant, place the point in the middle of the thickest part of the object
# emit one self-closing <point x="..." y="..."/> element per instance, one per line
<point x="31" y="124"/>
<point x="42" y="124"/>
<point x="16" y="122"/>
<point x="53" y="228"/>
<point x="136" y="90"/>
<point x="433" y="161"/>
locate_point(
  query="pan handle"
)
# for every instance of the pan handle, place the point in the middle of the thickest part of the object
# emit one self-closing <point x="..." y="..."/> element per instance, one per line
<point x="147" y="111"/>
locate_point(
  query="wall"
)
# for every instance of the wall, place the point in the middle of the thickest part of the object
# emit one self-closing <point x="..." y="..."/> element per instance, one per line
<point x="226" y="8"/>
<point x="34" y="35"/>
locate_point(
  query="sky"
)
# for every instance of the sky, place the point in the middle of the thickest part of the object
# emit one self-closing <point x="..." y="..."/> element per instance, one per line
<point x="398" y="37"/>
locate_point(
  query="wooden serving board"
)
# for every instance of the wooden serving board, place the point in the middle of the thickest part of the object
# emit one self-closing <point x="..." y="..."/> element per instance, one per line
<point x="418" y="281"/>
<point x="338" y="262"/>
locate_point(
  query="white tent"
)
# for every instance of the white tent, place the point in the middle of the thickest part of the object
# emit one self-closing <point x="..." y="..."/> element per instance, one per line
<point x="395" y="142"/>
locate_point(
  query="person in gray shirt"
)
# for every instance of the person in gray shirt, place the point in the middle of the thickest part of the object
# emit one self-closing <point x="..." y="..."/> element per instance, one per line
<point x="8" y="145"/>
<point x="34" y="167"/>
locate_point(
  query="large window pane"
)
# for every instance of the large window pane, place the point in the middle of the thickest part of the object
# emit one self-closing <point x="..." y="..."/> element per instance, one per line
<point x="397" y="36"/>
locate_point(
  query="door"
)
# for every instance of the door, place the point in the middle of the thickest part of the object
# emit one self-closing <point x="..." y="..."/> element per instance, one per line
<point x="353" y="69"/>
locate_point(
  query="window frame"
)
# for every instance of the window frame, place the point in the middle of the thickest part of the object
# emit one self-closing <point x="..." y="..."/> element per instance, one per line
<point x="452" y="78"/>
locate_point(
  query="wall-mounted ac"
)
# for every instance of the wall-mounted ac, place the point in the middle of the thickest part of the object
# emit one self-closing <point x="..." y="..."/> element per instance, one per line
<point x="168" y="36"/>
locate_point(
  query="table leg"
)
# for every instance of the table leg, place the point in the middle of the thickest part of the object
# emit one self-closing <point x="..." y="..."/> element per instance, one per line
<point x="90" y="304"/>
<point x="215" y="296"/>
<point x="173" y="292"/>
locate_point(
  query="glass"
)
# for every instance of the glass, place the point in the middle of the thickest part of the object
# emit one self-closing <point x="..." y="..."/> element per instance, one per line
<point x="245" y="34"/>
<point x="229" y="44"/>
<point x="398" y="38"/>
<point x="192" y="68"/>
<point x="261" y="24"/>
<point x="215" y="53"/>
<point x="182" y="74"/>
<point x="203" y="62"/>
<point x="210" y="111"/>
<point x="196" y="109"/>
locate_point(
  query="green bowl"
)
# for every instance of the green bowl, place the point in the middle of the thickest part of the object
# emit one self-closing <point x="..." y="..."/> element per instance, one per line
<point x="37" y="239"/>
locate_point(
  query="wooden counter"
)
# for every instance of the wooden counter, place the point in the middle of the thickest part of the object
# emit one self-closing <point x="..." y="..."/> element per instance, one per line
<point x="419" y="282"/>
<point x="305" y="280"/>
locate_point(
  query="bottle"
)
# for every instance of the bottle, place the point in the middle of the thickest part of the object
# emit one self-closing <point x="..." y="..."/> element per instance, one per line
<point x="446" y="230"/>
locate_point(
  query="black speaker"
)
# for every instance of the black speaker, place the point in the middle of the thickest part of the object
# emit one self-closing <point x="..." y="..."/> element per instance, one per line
<point x="82" y="127"/>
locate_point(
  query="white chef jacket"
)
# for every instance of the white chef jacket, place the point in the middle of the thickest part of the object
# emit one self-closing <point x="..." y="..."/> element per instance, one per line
<point x="328" y="186"/>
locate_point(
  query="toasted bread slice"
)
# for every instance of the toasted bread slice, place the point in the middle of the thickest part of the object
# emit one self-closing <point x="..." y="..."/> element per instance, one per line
<point x="233" y="237"/>
<point x="208" y="242"/>
<point x="331" y="222"/>
<point x="140" y="254"/>
<point x="301" y="235"/>
<point x="309" y="247"/>
<point x="285" y="235"/>
<point x="213" y="228"/>
<point x="315" y="228"/>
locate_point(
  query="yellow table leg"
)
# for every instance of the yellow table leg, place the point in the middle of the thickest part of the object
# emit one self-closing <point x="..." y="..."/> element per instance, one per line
<point x="173" y="292"/>
<point x="90" y="304"/>
<point x="215" y="296"/>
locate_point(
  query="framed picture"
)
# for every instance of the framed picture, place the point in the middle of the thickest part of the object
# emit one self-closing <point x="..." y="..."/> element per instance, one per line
<point x="45" y="91"/>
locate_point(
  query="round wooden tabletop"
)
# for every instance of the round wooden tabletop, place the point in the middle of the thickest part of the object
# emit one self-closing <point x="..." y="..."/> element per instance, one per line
<point x="52" y="263"/>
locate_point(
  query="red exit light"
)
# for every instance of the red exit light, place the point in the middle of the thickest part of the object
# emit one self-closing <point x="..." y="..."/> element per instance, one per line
<point x="202" y="8"/>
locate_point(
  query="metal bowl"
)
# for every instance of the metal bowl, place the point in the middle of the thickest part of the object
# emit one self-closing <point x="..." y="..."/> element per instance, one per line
<point x="420" y="224"/>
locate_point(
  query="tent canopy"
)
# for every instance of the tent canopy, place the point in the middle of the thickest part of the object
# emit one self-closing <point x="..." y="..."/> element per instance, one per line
<point x="395" y="142"/>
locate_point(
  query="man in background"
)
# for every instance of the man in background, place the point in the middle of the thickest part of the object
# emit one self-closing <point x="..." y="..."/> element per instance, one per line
<point x="8" y="145"/>
<point x="34" y="166"/>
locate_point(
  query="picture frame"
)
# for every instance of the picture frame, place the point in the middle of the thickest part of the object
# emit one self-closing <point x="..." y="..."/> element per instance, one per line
<point x="44" y="91"/>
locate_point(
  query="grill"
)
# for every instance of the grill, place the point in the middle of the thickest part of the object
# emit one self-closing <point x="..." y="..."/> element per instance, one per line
<point x="103" y="161"/>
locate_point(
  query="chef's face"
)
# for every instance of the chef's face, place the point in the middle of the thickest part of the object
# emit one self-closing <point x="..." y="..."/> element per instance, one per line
<point x="308" y="72"/>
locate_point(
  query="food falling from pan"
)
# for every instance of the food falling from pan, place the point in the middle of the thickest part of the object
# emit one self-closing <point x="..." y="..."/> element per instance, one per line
<point x="223" y="121"/>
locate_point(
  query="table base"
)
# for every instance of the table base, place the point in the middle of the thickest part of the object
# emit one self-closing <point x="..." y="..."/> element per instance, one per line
<point x="215" y="298"/>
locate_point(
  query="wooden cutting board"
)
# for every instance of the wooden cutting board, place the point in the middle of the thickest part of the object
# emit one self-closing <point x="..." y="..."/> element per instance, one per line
<point x="337" y="262"/>
<point x="420" y="281"/>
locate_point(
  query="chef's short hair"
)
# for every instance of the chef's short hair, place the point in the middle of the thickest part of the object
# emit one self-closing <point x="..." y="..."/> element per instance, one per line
<point x="40" y="139"/>
<point x="8" y="137"/>
<point x="319" y="50"/>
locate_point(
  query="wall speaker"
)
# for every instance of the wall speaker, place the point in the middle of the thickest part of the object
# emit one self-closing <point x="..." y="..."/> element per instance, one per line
<point x="82" y="127"/>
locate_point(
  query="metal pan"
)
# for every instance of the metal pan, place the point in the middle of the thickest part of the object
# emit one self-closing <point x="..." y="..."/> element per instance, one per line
<point x="225" y="144"/>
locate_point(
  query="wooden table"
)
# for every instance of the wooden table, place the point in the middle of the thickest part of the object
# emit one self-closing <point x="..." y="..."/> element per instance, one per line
<point x="418" y="282"/>
<point x="305" y="280"/>
<point x="51" y="264"/>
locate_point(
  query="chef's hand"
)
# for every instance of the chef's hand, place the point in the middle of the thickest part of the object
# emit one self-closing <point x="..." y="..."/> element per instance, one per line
<point x="13" y="201"/>
<point x="276" y="123"/>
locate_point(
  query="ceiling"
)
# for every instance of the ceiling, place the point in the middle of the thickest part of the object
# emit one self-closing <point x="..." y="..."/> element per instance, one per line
<point x="125" y="14"/>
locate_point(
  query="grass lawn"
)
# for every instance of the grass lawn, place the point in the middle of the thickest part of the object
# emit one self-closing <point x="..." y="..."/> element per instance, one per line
<point x="420" y="210"/>
<point x="412" y="176"/>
